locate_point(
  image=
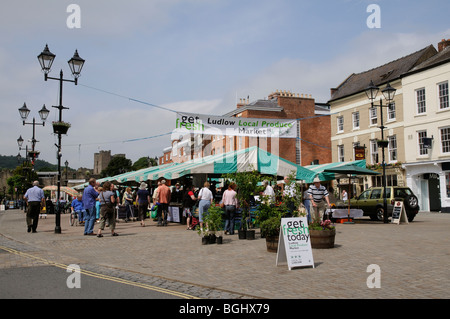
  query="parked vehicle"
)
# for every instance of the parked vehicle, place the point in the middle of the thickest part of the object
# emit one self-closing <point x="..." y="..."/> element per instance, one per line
<point x="371" y="202"/>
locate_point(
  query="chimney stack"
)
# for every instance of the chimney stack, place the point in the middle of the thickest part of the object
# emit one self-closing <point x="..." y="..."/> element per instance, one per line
<point x="443" y="44"/>
<point x="332" y="91"/>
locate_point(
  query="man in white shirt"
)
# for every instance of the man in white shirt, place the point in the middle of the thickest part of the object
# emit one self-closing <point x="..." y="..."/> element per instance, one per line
<point x="35" y="200"/>
<point x="205" y="198"/>
<point x="269" y="192"/>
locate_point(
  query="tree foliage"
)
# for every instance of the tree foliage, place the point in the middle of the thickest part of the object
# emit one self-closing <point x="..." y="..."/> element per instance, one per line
<point x="117" y="165"/>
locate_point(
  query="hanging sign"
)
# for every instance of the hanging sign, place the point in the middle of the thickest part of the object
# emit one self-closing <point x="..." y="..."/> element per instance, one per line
<point x="360" y="152"/>
<point x="294" y="244"/>
<point x="234" y="126"/>
<point x="399" y="213"/>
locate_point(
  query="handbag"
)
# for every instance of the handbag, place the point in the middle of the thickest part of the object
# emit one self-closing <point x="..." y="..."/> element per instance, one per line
<point x="154" y="211"/>
<point x="110" y="207"/>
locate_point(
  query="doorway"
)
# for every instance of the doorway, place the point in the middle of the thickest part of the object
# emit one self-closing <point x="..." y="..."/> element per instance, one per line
<point x="434" y="192"/>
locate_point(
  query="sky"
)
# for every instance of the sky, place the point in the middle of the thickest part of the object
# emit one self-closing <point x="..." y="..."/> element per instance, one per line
<point x="147" y="59"/>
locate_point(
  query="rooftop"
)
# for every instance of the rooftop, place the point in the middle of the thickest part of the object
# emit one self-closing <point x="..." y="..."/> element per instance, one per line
<point x="389" y="72"/>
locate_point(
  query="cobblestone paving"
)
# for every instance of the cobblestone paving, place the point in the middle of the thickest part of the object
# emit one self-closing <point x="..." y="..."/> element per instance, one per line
<point x="413" y="259"/>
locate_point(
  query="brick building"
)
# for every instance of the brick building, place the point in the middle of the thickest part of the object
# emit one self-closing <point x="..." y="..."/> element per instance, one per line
<point x="313" y="144"/>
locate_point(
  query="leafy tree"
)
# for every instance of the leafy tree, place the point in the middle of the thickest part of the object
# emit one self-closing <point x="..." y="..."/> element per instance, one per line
<point x="23" y="177"/>
<point x="144" y="162"/>
<point x="140" y="163"/>
<point x="117" y="165"/>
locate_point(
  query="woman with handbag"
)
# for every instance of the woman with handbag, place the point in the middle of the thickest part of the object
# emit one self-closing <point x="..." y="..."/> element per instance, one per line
<point x="107" y="199"/>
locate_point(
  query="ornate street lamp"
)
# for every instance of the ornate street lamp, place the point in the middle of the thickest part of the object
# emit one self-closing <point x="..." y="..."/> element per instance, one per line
<point x="43" y="114"/>
<point x="389" y="93"/>
<point x="24" y="111"/>
<point x="20" y="141"/>
<point x="76" y="63"/>
<point x="46" y="59"/>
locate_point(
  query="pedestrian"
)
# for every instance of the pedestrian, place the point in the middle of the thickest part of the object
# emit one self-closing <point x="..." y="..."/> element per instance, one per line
<point x="78" y="208"/>
<point x="177" y="194"/>
<point x="142" y="200"/>
<point x="90" y="195"/>
<point x="205" y="198"/>
<point x="155" y="194"/>
<point x="269" y="192"/>
<point x="307" y="203"/>
<point x="344" y="195"/>
<point x="230" y="204"/>
<point x="35" y="199"/>
<point x="189" y="201"/>
<point x="107" y="199"/>
<point x="128" y="202"/>
<point x="97" y="205"/>
<point x="318" y="194"/>
<point x="163" y="196"/>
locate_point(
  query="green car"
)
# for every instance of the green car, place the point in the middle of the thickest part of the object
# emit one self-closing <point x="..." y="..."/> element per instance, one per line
<point x="371" y="202"/>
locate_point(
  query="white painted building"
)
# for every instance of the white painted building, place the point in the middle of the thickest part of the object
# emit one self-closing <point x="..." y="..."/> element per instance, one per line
<point x="427" y="130"/>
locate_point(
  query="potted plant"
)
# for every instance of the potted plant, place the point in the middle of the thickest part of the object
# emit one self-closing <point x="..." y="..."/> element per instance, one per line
<point x="213" y="221"/>
<point x="270" y="229"/>
<point x="322" y="234"/>
<point x="203" y="232"/>
<point x="60" y="127"/>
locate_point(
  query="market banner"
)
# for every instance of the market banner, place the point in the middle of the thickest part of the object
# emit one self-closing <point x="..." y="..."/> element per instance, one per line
<point x="235" y="126"/>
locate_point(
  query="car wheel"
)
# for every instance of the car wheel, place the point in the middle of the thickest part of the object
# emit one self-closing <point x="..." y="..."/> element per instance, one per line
<point x="378" y="215"/>
<point x="411" y="202"/>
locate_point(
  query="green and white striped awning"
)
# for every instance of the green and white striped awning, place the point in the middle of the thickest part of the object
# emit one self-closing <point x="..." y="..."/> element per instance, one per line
<point x="326" y="176"/>
<point x="248" y="159"/>
<point x="237" y="161"/>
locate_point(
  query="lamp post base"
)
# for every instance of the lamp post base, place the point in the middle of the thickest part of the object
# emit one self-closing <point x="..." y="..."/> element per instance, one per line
<point x="57" y="230"/>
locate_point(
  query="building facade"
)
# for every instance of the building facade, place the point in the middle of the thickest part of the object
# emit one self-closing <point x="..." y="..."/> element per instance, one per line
<point x="312" y="144"/>
<point x="355" y="123"/>
<point x="427" y="130"/>
<point x="417" y="116"/>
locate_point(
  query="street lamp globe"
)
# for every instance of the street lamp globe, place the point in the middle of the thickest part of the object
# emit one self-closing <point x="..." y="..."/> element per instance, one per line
<point x="43" y="113"/>
<point x="389" y="92"/>
<point x="24" y="111"/>
<point x="76" y="64"/>
<point x="372" y="91"/>
<point x="20" y="141"/>
<point x="46" y="59"/>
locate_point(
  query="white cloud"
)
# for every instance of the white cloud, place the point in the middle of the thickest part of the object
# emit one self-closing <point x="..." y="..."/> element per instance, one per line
<point x="369" y="50"/>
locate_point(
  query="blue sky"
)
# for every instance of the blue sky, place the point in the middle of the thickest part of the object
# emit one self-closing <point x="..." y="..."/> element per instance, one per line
<point x="188" y="55"/>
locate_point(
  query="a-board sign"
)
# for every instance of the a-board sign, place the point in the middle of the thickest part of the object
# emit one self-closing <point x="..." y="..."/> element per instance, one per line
<point x="399" y="213"/>
<point x="294" y="245"/>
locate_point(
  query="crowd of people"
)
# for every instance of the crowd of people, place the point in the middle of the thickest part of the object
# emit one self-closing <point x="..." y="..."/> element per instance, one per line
<point x="97" y="203"/>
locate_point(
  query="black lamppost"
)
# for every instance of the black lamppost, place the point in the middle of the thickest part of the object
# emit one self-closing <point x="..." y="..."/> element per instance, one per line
<point x="389" y="93"/>
<point x="26" y="170"/>
<point x="76" y="63"/>
<point x="43" y="114"/>
<point x="66" y="164"/>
